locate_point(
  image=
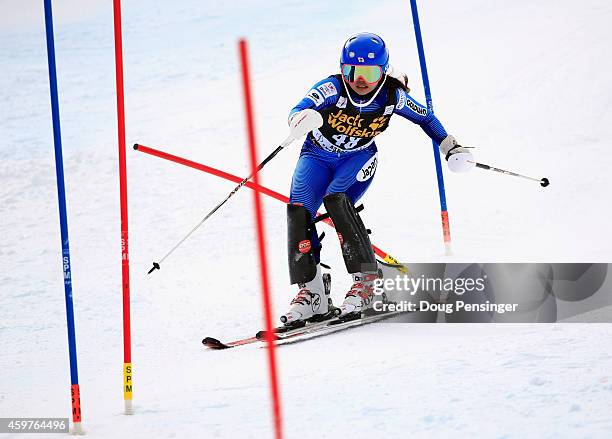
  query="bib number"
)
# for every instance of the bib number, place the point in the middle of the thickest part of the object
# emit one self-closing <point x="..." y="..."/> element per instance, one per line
<point x="340" y="140"/>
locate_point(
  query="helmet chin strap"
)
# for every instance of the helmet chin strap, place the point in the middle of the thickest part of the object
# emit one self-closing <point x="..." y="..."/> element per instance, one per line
<point x="348" y="92"/>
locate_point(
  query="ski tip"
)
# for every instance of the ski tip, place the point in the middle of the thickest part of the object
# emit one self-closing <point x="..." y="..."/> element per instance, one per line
<point x="213" y="343"/>
<point x="544" y="182"/>
<point x="136" y="145"/>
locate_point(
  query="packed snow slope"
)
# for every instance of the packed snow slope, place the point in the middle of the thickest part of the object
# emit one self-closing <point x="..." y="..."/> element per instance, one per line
<point x="525" y="83"/>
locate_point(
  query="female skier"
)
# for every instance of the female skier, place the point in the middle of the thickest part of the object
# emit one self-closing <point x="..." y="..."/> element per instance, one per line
<point x="337" y="164"/>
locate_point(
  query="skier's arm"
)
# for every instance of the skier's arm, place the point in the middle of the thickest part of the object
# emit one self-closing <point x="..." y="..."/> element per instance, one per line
<point x="323" y="94"/>
<point x="410" y="109"/>
<point x="459" y="158"/>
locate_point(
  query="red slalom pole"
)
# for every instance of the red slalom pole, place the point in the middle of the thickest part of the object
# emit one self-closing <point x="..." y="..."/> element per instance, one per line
<point x="125" y="258"/>
<point x="210" y="170"/>
<point x="261" y="240"/>
<point x="236" y="179"/>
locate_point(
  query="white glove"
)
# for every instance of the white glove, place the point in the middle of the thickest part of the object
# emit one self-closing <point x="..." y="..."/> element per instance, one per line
<point x="303" y="122"/>
<point x="399" y="75"/>
<point x="459" y="158"/>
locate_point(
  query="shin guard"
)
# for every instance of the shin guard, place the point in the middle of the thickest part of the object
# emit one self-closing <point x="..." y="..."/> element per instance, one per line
<point x="303" y="245"/>
<point x="354" y="240"/>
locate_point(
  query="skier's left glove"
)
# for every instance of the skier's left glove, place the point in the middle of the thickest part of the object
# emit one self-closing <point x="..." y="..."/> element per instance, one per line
<point x="459" y="158"/>
<point x="303" y="122"/>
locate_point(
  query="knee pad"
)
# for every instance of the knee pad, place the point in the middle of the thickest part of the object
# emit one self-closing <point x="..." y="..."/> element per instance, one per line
<point x="303" y="245"/>
<point x="356" y="246"/>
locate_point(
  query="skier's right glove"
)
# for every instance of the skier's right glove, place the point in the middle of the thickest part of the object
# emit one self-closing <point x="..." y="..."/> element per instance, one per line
<point x="459" y="158"/>
<point x="303" y="122"/>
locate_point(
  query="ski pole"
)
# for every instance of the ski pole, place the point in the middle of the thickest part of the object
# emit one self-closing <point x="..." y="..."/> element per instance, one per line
<point x="287" y="141"/>
<point x="543" y="181"/>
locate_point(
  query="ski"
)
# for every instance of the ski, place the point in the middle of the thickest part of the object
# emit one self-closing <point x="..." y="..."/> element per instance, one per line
<point x="284" y="335"/>
<point x="281" y="331"/>
<point x="213" y="343"/>
<point x="301" y="330"/>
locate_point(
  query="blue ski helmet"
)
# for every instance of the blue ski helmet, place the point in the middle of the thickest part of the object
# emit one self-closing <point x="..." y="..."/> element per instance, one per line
<point x="365" y="48"/>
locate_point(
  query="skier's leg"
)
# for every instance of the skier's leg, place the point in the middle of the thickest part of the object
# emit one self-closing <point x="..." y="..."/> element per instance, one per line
<point x="351" y="180"/>
<point x="355" y="242"/>
<point x="355" y="173"/>
<point x="310" y="180"/>
<point x="303" y="245"/>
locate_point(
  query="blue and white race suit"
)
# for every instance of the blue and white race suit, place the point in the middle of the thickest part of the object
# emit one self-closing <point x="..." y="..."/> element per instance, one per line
<point x="341" y="155"/>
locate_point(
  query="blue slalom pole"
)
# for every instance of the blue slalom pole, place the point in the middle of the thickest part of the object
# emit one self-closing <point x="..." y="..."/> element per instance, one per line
<point x="61" y="195"/>
<point x="436" y="149"/>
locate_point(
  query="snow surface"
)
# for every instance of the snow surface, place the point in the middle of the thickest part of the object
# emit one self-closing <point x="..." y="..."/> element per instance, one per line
<point x="526" y="83"/>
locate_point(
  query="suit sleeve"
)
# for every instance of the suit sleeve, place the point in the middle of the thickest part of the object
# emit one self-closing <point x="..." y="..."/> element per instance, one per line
<point x="321" y="95"/>
<point x="410" y="109"/>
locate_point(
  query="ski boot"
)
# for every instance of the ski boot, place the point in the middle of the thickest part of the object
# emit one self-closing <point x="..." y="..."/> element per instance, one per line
<point x="312" y="302"/>
<point x="359" y="298"/>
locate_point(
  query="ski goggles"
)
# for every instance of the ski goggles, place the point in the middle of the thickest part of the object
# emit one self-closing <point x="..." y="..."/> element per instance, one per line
<point x="370" y="74"/>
